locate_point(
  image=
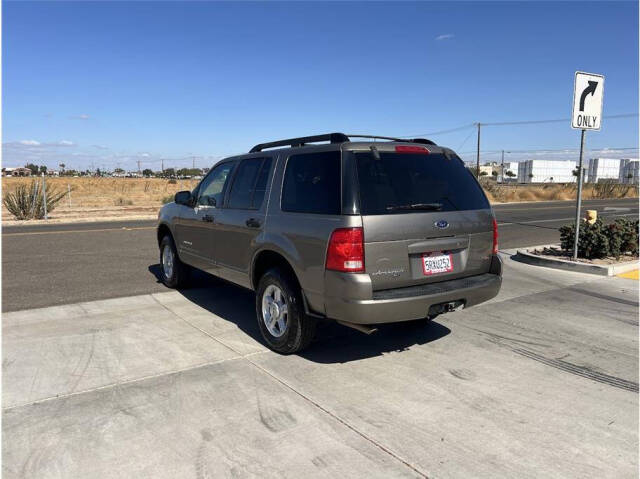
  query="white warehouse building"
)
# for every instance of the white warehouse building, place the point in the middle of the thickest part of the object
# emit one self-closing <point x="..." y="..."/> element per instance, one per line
<point x="629" y="171"/>
<point x="546" y="171"/>
<point x="603" y="169"/>
<point x="609" y="169"/>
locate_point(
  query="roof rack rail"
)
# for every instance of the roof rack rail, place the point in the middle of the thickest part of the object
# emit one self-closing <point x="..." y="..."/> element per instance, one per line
<point x="303" y="140"/>
<point x="332" y="138"/>
<point x="423" y="141"/>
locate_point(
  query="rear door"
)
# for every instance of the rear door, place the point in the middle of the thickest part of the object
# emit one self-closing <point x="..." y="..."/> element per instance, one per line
<point x="425" y="217"/>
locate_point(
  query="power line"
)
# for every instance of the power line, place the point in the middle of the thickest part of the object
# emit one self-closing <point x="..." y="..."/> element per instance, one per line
<point x="466" y="139"/>
<point x="504" y="123"/>
<point x="441" y="132"/>
<point x="552" y="150"/>
<point x="532" y="122"/>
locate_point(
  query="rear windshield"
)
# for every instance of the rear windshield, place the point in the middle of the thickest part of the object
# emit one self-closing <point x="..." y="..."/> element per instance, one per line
<point x="408" y="183"/>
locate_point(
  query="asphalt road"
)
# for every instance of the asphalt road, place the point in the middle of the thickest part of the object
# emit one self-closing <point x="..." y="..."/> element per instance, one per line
<point x="541" y="381"/>
<point x="45" y="265"/>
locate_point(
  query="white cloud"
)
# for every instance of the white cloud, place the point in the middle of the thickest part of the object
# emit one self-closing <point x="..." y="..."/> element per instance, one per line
<point x="29" y="142"/>
<point x="446" y="36"/>
<point x="83" y="116"/>
<point x="65" y="143"/>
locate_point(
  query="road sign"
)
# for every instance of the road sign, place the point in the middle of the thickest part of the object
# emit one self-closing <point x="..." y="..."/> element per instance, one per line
<point x="588" y="91"/>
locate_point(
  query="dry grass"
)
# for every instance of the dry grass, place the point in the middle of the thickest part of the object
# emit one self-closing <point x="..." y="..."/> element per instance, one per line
<point x="105" y="192"/>
<point x="128" y="197"/>
<point x="511" y="193"/>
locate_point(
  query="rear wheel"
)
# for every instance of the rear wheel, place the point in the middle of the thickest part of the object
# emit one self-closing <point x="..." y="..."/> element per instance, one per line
<point x="281" y="318"/>
<point x="174" y="272"/>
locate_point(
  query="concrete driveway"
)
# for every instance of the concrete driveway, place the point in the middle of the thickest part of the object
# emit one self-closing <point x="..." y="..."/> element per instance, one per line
<point x="539" y="382"/>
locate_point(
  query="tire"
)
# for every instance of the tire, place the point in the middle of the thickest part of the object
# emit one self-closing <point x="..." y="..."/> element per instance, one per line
<point x="177" y="275"/>
<point x="299" y="329"/>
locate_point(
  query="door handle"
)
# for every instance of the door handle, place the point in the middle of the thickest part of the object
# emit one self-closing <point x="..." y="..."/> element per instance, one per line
<point x="253" y="223"/>
<point x="207" y="218"/>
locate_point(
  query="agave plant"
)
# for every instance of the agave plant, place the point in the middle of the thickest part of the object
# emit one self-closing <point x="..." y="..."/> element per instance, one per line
<point x="26" y="201"/>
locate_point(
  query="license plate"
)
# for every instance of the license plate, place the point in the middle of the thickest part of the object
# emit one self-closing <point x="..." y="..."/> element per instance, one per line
<point x="436" y="263"/>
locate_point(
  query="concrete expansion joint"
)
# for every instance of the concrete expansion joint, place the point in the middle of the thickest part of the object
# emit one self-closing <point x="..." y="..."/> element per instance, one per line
<point x="247" y="358"/>
<point x="120" y="383"/>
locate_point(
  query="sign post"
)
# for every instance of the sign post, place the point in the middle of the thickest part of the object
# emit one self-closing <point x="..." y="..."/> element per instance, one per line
<point x="588" y="92"/>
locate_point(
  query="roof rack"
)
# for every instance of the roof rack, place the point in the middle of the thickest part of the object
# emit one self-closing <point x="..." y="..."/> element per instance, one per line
<point x="423" y="141"/>
<point x="331" y="138"/>
<point x="303" y="140"/>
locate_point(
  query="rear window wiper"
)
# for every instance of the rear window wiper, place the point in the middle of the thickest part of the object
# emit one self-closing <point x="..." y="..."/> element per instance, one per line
<point x="417" y="206"/>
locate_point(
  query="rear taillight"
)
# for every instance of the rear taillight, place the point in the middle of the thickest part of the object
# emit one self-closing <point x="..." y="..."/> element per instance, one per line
<point x="346" y="250"/>
<point x="495" y="236"/>
<point x="412" y="149"/>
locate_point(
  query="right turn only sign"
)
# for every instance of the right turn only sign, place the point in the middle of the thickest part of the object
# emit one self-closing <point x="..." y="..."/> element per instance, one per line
<point x="588" y="91"/>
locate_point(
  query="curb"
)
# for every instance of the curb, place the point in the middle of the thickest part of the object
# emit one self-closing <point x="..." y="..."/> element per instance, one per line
<point x="601" y="270"/>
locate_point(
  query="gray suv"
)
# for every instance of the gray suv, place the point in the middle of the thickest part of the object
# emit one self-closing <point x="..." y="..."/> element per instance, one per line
<point x="361" y="232"/>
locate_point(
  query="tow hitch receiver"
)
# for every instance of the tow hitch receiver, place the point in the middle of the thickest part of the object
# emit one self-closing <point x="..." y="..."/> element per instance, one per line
<point x="446" y="307"/>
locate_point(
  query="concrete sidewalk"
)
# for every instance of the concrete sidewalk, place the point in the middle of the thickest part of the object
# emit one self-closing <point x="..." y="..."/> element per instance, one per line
<point x="541" y="381"/>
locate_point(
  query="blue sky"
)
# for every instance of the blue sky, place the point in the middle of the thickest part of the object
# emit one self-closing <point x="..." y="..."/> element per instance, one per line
<point x="112" y="83"/>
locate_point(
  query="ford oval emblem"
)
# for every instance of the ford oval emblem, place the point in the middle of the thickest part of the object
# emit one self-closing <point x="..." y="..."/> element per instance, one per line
<point x="442" y="224"/>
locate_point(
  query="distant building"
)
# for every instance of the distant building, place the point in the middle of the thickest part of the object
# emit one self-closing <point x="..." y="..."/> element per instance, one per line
<point x="629" y="173"/>
<point x="486" y="170"/>
<point x="16" y="171"/>
<point x="509" y="167"/>
<point x="603" y="169"/>
<point x="546" y="171"/>
<point x="623" y="170"/>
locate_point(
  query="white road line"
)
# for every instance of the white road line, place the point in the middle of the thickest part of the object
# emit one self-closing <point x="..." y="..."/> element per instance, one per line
<point x="554" y="220"/>
<point x="97" y="230"/>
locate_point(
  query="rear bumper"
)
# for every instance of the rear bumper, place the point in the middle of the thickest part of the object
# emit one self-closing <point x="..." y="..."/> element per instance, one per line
<point x="404" y="304"/>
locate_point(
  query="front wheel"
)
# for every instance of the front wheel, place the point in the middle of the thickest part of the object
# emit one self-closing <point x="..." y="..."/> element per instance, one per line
<point x="174" y="272"/>
<point x="281" y="317"/>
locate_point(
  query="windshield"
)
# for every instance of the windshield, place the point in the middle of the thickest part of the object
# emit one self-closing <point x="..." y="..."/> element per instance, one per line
<point x="407" y="183"/>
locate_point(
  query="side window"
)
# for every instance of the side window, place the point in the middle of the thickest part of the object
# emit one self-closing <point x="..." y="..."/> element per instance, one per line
<point x="312" y="184"/>
<point x="261" y="184"/>
<point x="249" y="184"/>
<point x="211" y="189"/>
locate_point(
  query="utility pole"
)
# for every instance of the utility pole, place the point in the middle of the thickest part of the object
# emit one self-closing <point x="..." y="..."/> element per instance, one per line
<point x="502" y="169"/>
<point x="478" y="154"/>
<point x="193" y="162"/>
<point x="162" y="166"/>
<point x="578" y="199"/>
<point x="139" y="171"/>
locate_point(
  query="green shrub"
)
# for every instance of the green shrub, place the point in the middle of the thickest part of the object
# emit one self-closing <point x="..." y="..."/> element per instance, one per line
<point x="593" y="241"/>
<point x="628" y="231"/>
<point x="598" y="240"/>
<point x="168" y="199"/>
<point x="172" y="181"/>
<point x="26" y="202"/>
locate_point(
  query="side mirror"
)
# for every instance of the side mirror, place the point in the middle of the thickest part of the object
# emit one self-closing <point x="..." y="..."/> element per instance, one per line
<point x="183" y="198"/>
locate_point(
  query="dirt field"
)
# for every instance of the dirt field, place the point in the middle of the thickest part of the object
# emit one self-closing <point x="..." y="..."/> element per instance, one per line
<point x="113" y="198"/>
<point x="106" y="198"/>
<point x="550" y="192"/>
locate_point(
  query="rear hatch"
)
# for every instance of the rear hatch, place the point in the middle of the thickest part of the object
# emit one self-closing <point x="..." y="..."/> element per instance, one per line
<point x="425" y="217"/>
